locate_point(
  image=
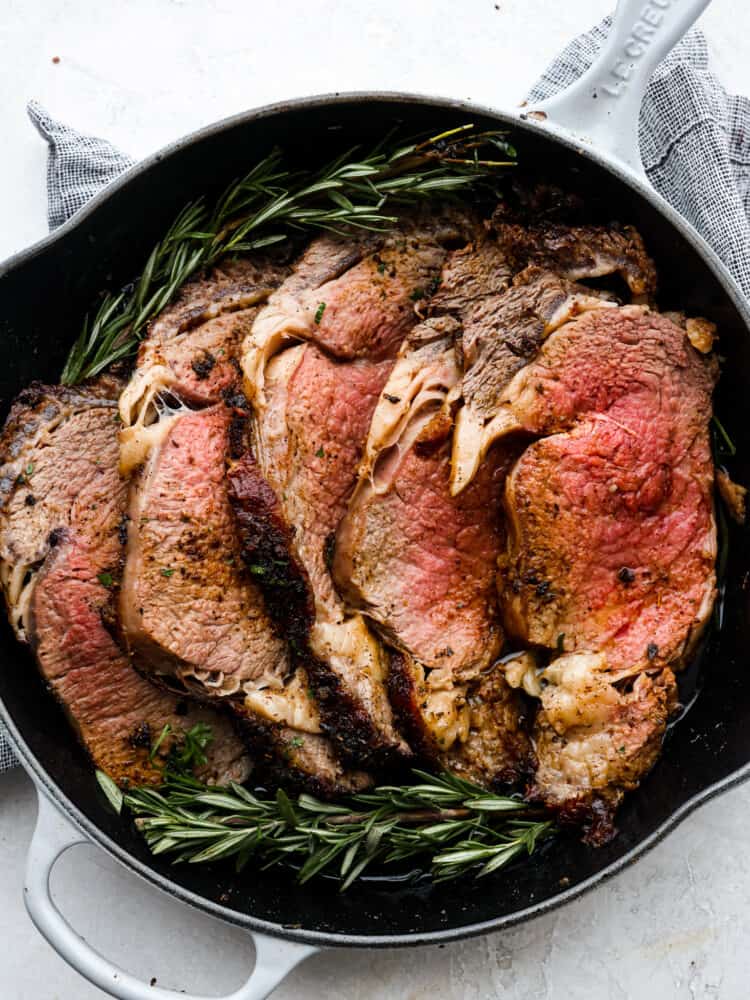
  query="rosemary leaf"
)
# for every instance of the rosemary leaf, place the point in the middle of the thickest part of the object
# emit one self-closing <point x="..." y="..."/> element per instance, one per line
<point x="112" y="792"/>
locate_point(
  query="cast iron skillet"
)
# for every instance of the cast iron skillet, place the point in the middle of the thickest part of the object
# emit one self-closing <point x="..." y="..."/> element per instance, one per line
<point x="45" y="291"/>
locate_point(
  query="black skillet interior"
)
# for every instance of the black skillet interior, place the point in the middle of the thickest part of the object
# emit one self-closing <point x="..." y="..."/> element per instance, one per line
<point x="42" y="301"/>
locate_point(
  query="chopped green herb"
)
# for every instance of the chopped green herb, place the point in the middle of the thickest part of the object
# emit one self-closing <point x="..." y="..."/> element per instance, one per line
<point x="257" y="570"/>
<point x="381" y="267"/>
<point x="320" y="453"/>
<point x="166" y="571"/>
<point x="296" y="742"/>
<point x="105" y="579"/>
<point x="417" y="294"/>
<point x="319" y="313"/>
<point x="29" y="470"/>
<point x="189" y="753"/>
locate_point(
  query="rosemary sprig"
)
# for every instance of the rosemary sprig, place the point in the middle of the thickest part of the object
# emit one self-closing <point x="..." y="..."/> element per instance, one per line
<point x="269" y="203"/>
<point x="456" y="826"/>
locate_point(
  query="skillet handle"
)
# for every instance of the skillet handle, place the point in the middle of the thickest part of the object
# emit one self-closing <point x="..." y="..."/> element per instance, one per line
<point x="602" y="107"/>
<point x="53" y="835"/>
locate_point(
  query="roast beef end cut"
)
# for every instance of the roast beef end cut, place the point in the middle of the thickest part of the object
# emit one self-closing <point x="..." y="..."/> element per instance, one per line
<point x="595" y="739"/>
<point x="580" y="253"/>
<point x="191" y="351"/>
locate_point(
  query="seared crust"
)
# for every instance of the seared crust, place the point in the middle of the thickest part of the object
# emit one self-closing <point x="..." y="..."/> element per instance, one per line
<point x="301" y="762"/>
<point x="266" y="543"/>
<point x="496" y="751"/>
<point x="581" y="252"/>
<point x="266" y="547"/>
<point x="589" y="759"/>
<point x="198" y="338"/>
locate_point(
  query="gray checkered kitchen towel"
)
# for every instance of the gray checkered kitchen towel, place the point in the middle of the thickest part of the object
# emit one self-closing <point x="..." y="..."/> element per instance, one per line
<point x="695" y="144"/>
<point x="78" y="167"/>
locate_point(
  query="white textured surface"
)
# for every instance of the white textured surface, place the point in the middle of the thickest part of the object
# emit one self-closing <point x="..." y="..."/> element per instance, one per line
<point x="677" y="925"/>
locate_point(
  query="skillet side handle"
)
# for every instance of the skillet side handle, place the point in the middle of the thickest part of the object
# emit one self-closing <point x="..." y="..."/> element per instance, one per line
<point x="53" y="835"/>
<point x="602" y="107"/>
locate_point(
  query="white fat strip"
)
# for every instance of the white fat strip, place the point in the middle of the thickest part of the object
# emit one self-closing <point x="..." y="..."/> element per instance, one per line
<point x="153" y="421"/>
<point x="19" y="582"/>
<point x="442" y="705"/>
<point x="521" y="671"/>
<point x="415" y="391"/>
<point x="282" y="322"/>
<point x="292" y="707"/>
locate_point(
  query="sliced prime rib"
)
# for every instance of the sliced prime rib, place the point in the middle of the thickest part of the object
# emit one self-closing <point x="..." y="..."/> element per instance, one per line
<point x="189" y="608"/>
<point x="504" y="328"/>
<point x="502" y="332"/>
<point x="188" y="603"/>
<point x="61" y="514"/>
<point x="315" y="364"/>
<point x="217" y="311"/>
<point x="420" y="563"/>
<point x="193" y="347"/>
<point x="612" y="540"/>
<point x="185" y="605"/>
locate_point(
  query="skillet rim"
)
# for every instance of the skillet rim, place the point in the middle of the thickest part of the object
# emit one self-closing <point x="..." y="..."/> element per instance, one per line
<point x="45" y="785"/>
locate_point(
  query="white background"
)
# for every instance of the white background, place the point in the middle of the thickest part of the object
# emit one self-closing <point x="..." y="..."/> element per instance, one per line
<point x="142" y="73"/>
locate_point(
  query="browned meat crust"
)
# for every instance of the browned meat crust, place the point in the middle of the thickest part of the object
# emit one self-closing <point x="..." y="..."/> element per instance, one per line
<point x="581" y="252"/>
<point x="496" y="751"/>
<point x="266" y="547"/>
<point x="197" y="339"/>
<point x="301" y="762"/>
<point x="502" y="333"/>
<point x="585" y="769"/>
